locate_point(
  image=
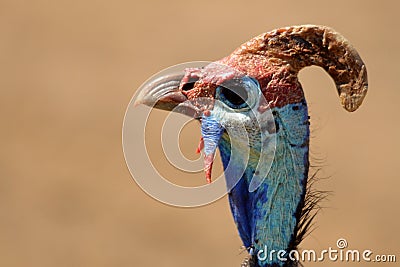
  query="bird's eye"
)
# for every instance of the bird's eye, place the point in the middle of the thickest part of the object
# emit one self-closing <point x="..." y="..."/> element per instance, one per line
<point x="236" y="96"/>
<point x="238" y="93"/>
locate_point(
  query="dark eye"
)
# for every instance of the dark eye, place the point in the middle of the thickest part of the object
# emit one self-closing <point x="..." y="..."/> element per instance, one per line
<point x="233" y="93"/>
<point x="239" y="94"/>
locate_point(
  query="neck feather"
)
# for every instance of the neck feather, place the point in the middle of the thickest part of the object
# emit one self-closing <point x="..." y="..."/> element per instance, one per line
<point x="268" y="218"/>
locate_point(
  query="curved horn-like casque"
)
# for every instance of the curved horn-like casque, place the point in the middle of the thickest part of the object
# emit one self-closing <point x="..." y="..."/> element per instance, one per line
<point x="297" y="47"/>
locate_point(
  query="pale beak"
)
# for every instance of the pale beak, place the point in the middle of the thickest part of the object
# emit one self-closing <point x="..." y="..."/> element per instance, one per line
<point x="162" y="92"/>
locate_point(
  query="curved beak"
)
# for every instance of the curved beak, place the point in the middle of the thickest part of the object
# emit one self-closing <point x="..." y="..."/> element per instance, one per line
<point x="162" y="92"/>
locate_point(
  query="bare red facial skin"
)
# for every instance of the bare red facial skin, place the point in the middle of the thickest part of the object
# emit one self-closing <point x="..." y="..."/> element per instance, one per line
<point x="208" y="162"/>
<point x="200" y="146"/>
<point x="207" y="113"/>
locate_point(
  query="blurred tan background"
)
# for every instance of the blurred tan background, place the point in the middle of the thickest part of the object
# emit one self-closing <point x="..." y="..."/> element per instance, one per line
<point x="68" y="71"/>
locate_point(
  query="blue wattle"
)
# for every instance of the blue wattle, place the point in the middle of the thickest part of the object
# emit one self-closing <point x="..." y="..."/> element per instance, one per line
<point x="211" y="131"/>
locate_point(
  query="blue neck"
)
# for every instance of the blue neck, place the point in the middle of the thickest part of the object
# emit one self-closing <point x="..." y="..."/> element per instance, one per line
<point x="267" y="218"/>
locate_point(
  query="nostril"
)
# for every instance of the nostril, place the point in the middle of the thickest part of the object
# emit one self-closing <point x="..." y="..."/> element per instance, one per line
<point x="188" y="86"/>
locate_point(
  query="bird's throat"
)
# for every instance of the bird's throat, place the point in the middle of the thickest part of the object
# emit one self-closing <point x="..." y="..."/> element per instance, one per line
<point x="267" y="218"/>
